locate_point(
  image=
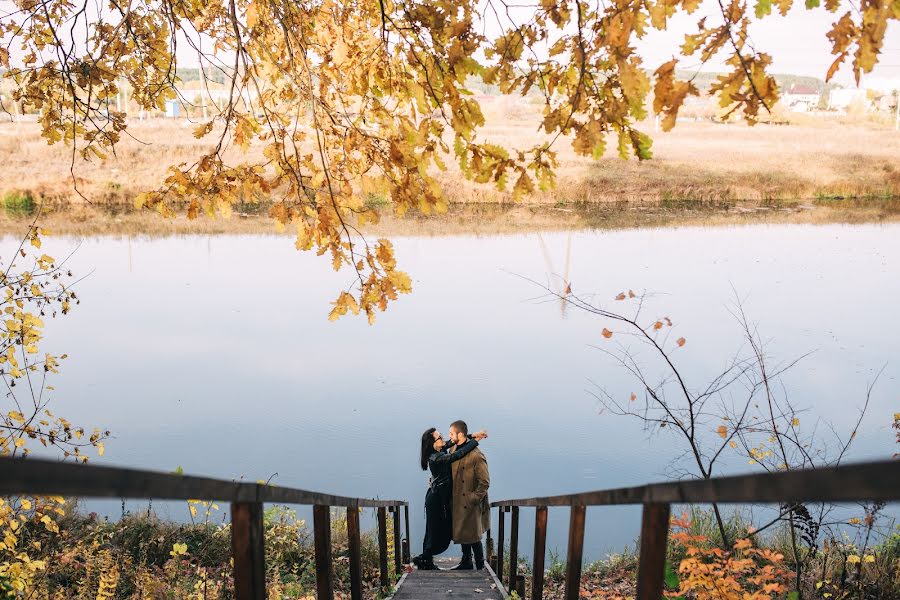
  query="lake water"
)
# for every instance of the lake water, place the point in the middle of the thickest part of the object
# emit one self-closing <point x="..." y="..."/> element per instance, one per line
<point x="215" y="354"/>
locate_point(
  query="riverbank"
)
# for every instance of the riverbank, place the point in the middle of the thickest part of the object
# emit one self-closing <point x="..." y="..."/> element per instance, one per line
<point x="699" y="162"/>
<point x="466" y="219"/>
<point x="143" y="556"/>
<point x="860" y="561"/>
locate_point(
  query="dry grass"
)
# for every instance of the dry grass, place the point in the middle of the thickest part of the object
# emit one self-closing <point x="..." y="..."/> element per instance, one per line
<point x="140" y="163"/>
<point x="807" y="159"/>
<point x="697" y="161"/>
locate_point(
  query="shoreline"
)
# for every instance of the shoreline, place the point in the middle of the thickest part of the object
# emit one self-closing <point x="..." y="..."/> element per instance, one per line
<point x="694" y="163"/>
<point x="469" y="219"/>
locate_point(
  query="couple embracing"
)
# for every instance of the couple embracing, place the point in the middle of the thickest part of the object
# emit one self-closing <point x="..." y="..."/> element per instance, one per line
<point x="456" y="504"/>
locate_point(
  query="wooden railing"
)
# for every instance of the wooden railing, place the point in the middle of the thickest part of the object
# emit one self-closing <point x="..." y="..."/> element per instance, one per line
<point x="873" y="481"/>
<point x="41" y="477"/>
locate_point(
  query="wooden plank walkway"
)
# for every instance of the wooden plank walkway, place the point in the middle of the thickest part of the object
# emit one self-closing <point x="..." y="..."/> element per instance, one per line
<point x="450" y="585"/>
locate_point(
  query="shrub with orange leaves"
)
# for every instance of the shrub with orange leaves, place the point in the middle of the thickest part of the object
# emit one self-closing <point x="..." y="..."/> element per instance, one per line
<point x="711" y="573"/>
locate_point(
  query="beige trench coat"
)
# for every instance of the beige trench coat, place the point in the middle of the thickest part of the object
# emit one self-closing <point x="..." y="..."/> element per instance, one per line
<point x="471" y="508"/>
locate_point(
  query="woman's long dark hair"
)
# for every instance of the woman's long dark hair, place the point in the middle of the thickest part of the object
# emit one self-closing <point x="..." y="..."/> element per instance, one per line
<point x="427" y="447"/>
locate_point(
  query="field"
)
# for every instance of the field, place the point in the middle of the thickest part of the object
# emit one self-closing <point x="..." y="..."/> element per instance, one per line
<point x="802" y="162"/>
<point x="808" y="159"/>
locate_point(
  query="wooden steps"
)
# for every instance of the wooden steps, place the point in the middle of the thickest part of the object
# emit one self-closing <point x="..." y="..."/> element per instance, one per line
<point x="450" y="585"/>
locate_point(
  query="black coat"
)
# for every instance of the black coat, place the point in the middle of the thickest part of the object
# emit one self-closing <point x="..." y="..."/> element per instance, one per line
<point x="438" y="511"/>
<point x="439" y="463"/>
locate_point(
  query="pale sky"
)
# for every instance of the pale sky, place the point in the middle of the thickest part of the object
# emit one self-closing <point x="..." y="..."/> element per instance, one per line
<point x="797" y="42"/>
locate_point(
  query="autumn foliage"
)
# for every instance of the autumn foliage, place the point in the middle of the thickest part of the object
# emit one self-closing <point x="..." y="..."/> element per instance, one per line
<point x="35" y="286"/>
<point x="333" y="94"/>
<point x="708" y="572"/>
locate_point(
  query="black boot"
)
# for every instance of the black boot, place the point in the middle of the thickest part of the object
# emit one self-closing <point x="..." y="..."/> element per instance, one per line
<point x="427" y="565"/>
<point x="478" y="551"/>
<point x="466" y="563"/>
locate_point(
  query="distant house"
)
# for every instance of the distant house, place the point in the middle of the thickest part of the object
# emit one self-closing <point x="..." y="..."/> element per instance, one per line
<point x="886" y="103"/>
<point x="842" y="98"/>
<point x="801" y="98"/>
<point x="173" y="108"/>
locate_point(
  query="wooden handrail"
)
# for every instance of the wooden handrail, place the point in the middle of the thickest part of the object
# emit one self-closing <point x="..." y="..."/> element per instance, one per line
<point x="846" y="483"/>
<point x="870" y="481"/>
<point x="46" y="477"/>
<point x="50" y="478"/>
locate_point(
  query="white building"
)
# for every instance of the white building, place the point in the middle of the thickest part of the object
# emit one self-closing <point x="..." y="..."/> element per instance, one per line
<point x="801" y="98"/>
<point x="842" y="98"/>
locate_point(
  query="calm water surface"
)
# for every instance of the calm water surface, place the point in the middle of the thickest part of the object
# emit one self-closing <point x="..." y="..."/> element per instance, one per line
<point x="215" y="354"/>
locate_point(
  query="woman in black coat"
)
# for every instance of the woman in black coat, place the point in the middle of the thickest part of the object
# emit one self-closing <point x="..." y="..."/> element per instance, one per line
<point x="438" y="520"/>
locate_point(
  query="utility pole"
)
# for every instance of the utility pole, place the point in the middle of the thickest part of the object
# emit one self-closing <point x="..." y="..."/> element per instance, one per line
<point x="896" y="110"/>
<point x="204" y="92"/>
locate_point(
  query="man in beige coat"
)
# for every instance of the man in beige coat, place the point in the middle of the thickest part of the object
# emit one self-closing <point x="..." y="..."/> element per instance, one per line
<point x="471" y="508"/>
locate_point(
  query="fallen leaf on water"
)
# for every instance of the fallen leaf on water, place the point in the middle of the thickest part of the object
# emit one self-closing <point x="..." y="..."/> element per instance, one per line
<point x="621" y="296"/>
<point x="633" y="396"/>
<point x="607" y="333"/>
<point x="680" y="342"/>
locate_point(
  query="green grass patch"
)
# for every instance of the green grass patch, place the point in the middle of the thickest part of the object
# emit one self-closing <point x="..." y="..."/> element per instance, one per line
<point x="376" y="200"/>
<point x="19" y="204"/>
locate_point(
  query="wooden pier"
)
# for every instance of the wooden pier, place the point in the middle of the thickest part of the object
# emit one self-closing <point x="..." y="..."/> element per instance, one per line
<point x="872" y="481"/>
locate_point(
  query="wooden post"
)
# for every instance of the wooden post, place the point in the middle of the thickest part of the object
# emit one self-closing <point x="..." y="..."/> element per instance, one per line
<point x="519" y="586"/>
<point x="248" y="551"/>
<point x="513" y="548"/>
<point x="398" y="558"/>
<point x="654" y="536"/>
<point x="322" y="542"/>
<point x="574" y="554"/>
<point x="540" y="549"/>
<point x="382" y="547"/>
<point x="500" y="540"/>
<point x="353" y="549"/>
<point x="407" y="546"/>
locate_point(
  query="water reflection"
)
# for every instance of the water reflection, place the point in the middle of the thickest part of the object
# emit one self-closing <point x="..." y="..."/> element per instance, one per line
<point x="215" y="354"/>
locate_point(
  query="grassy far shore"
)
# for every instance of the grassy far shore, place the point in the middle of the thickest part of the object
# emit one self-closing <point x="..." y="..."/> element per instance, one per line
<point x="804" y="159"/>
<point x="702" y="173"/>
